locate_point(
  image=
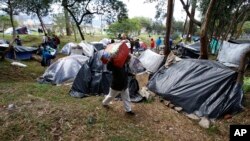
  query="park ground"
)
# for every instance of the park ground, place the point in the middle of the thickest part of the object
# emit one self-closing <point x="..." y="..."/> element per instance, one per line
<point x="47" y="112"/>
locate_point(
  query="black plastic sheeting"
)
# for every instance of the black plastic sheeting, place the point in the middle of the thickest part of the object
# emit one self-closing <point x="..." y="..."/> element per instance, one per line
<point x="25" y="49"/>
<point x="98" y="46"/>
<point x="190" y="51"/>
<point x="206" y="88"/>
<point x="239" y="41"/>
<point x="95" y="79"/>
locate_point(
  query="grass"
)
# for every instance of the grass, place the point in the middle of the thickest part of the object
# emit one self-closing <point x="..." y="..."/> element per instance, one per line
<point x="47" y="112"/>
<point x="246" y="86"/>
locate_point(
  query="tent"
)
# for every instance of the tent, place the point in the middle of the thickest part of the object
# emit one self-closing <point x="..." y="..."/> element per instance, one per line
<point x="22" y="52"/>
<point x="189" y="51"/>
<point x="66" y="49"/>
<point x="206" y="88"/>
<point x="19" y="30"/>
<point x="81" y="48"/>
<point x="95" y="79"/>
<point x="98" y="45"/>
<point x="63" y="70"/>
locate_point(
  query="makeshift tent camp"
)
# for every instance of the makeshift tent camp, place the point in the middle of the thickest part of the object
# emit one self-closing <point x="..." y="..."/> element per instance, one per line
<point x="206" y="88"/>
<point x="22" y="53"/>
<point x="63" y="70"/>
<point x="95" y="79"/>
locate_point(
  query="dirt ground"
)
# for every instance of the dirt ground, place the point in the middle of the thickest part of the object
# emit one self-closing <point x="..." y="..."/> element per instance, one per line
<point x="33" y="111"/>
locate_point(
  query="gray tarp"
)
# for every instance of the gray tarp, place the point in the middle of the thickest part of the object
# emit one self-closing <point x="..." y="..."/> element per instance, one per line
<point x="24" y="49"/>
<point x="230" y="53"/>
<point x="64" y="69"/>
<point x="67" y="48"/>
<point x="204" y="87"/>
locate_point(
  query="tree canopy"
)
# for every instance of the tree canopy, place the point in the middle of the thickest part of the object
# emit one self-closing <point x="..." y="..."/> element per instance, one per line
<point x="84" y="10"/>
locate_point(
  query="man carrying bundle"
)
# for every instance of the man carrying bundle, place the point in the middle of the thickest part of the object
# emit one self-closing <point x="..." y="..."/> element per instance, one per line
<point x="119" y="83"/>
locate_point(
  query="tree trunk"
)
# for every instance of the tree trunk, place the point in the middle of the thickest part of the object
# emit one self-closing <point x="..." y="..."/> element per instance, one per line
<point x="3" y="29"/>
<point x="184" y="26"/>
<point x="185" y="7"/>
<point x="168" y="26"/>
<point x="67" y="22"/>
<point x="204" y="29"/>
<point x="41" y="21"/>
<point x="191" y="23"/>
<point x="11" y="20"/>
<point x="77" y="24"/>
<point x="185" y="23"/>
<point x="233" y="22"/>
<point x="73" y="28"/>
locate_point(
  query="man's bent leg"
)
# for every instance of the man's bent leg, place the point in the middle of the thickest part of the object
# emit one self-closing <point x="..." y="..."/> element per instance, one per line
<point x="112" y="94"/>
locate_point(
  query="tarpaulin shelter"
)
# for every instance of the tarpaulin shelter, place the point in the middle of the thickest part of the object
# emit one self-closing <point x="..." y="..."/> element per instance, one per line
<point x="206" y="88"/>
<point x="98" y="45"/>
<point x="63" y="70"/>
<point x="94" y="79"/>
<point x="83" y="48"/>
<point x="189" y="51"/>
<point x="22" y="52"/>
<point x="66" y="49"/>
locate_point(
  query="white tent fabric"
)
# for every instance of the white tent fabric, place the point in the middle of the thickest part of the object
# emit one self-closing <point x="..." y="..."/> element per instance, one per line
<point x="105" y="41"/>
<point x="67" y="48"/>
<point x="230" y="54"/>
<point x="87" y="49"/>
<point x="64" y="69"/>
<point x="151" y="60"/>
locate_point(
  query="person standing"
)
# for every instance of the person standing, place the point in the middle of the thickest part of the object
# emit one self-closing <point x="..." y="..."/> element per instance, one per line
<point x="45" y="39"/>
<point x="158" y="43"/>
<point x="18" y="41"/>
<point x="152" y="43"/>
<point x="119" y="84"/>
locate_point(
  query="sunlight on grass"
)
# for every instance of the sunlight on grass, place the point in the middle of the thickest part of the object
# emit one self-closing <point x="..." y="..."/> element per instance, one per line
<point x="246" y="86"/>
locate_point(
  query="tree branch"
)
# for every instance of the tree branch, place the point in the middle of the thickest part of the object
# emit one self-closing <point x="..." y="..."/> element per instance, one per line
<point x="185" y="7"/>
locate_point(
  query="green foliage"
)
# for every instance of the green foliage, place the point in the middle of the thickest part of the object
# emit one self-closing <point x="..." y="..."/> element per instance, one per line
<point x="246" y="86"/>
<point x="145" y="23"/>
<point x="158" y="28"/>
<point x="5" y="22"/>
<point x="128" y="26"/>
<point x="35" y="7"/>
<point x="177" y="26"/>
<point x="246" y="27"/>
<point x="59" y="22"/>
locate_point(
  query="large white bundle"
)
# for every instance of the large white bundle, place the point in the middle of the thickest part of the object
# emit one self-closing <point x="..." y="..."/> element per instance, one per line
<point x="151" y="60"/>
<point x="87" y="49"/>
<point x="230" y="54"/>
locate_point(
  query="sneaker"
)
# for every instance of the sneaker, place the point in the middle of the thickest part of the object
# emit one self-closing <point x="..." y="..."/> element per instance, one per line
<point x="131" y="113"/>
